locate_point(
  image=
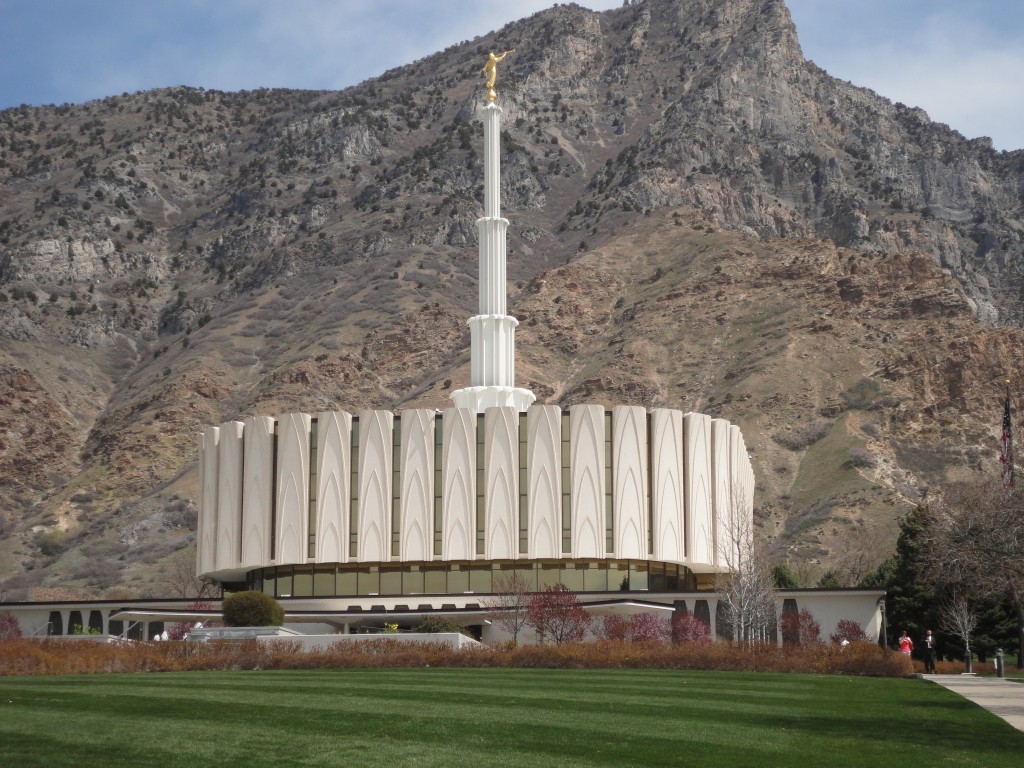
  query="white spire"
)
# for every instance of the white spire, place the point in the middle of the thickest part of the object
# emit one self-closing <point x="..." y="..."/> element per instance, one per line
<point x="493" y="333"/>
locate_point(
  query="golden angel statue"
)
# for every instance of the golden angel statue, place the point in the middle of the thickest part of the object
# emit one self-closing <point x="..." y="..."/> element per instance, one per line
<point x="491" y="70"/>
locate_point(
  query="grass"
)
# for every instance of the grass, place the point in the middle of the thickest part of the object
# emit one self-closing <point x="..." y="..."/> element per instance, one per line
<point x="513" y="717"/>
<point x="825" y="472"/>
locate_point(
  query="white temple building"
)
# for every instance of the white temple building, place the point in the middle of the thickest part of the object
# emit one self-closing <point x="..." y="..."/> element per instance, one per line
<point x="352" y="520"/>
<point x="422" y="510"/>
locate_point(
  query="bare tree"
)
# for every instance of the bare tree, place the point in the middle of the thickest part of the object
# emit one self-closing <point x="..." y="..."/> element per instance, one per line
<point x="510" y="605"/>
<point x="857" y="554"/>
<point x="973" y="542"/>
<point x="180" y="576"/>
<point x="959" y="619"/>
<point x="745" y="590"/>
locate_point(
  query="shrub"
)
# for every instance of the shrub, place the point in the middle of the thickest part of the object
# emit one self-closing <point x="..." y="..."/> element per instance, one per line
<point x="863" y="395"/>
<point x="10" y="627"/>
<point x="798" y="439"/>
<point x="31" y="656"/>
<point x="556" y="614"/>
<point x="800" y="629"/>
<point x="252" y="609"/>
<point x="438" y="624"/>
<point x="638" y="628"/>
<point x="849" y="630"/>
<point x="51" y="542"/>
<point x="181" y="629"/>
<point x="687" y="628"/>
<point x="860" y="457"/>
<point x="613" y="628"/>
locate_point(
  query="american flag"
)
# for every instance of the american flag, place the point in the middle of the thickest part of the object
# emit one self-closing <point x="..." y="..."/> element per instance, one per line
<point x="1006" y="445"/>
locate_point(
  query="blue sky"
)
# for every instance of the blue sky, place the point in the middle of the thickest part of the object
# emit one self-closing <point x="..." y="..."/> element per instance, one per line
<point x="961" y="60"/>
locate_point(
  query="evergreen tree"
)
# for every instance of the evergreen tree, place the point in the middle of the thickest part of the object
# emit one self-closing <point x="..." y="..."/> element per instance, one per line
<point x="909" y="604"/>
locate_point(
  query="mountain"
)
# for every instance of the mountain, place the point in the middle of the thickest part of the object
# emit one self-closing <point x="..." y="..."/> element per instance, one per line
<point x="701" y="219"/>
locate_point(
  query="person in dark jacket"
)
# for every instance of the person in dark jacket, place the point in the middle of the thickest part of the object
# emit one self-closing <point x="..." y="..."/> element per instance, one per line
<point x="929" y="653"/>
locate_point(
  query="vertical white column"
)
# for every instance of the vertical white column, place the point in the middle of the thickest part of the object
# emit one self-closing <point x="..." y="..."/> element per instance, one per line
<point x="206" y="552"/>
<point x="492" y="161"/>
<point x="492" y="332"/>
<point x="257" y="494"/>
<point x="229" y="496"/>
<point x="587" y="475"/>
<point x="334" y="492"/>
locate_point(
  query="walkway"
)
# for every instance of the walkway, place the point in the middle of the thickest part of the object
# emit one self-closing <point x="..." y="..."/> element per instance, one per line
<point x="1000" y="697"/>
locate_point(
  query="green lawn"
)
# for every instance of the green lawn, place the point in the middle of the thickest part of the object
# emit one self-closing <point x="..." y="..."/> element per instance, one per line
<point x="485" y="717"/>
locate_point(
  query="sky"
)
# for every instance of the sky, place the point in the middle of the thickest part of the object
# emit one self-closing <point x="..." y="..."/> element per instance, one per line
<point x="962" y="61"/>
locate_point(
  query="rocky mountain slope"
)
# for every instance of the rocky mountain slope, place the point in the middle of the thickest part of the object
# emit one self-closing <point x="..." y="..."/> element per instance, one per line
<point x="700" y="219"/>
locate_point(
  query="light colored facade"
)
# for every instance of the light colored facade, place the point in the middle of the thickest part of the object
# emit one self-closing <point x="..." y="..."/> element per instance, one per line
<point x="433" y="502"/>
<point x="424" y="503"/>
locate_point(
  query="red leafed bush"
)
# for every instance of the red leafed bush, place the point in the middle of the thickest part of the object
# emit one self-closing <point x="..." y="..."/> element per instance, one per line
<point x="614" y="628"/>
<point x="638" y="628"/>
<point x="32" y="656"/>
<point x="181" y="629"/>
<point x="799" y="628"/>
<point x="10" y="628"/>
<point x="687" y="628"/>
<point x="850" y="631"/>
<point x="557" y="614"/>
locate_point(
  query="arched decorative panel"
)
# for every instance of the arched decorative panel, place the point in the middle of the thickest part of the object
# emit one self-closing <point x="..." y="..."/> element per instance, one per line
<point x="258" y="485"/>
<point x="292" y="487"/>
<point x="587" y="472"/>
<point x="501" y="475"/>
<point x="697" y="435"/>
<point x="544" y="477"/>
<point x="629" y="446"/>
<point x="459" y="477"/>
<point x="333" y="476"/>
<point x="417" y="474"/>
<point x="229" y="495"/>
<point x="375" y="465"/>
<point x="722" y="480"/>
<point x="667" y="484"/>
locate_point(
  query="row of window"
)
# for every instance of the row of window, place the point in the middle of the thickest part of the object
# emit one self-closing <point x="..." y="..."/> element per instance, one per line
<point x="456" y="578"/>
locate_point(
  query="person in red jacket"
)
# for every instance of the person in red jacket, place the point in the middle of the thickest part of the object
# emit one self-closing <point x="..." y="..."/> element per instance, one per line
<point x="906" y="644"/>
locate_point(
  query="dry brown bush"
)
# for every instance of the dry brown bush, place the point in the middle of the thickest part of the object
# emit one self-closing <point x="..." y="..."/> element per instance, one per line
<point x="56" y="657"/>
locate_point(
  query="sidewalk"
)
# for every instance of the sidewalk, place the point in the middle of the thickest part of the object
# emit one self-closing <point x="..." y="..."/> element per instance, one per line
<point x="1000" y="697"/>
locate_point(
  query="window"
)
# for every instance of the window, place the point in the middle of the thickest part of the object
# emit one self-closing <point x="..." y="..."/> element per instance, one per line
<point x="438" y="486"/>
<point x="396" y="489"/>
<point x="609" y="511"/>
<point x="481" y="489"/>
<point x="524" y="486"/>
<point x="353" y="516"/>
<point x="313" y="489"/>
<point x="566" y="447"/>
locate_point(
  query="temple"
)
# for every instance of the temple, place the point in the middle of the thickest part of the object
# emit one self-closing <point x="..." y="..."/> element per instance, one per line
<point x="377" y="513"/>
<point x="358" y="520"/>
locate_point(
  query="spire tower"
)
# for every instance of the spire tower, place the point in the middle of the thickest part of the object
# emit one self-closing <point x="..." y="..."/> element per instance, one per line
<point x="493" y="332"/>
